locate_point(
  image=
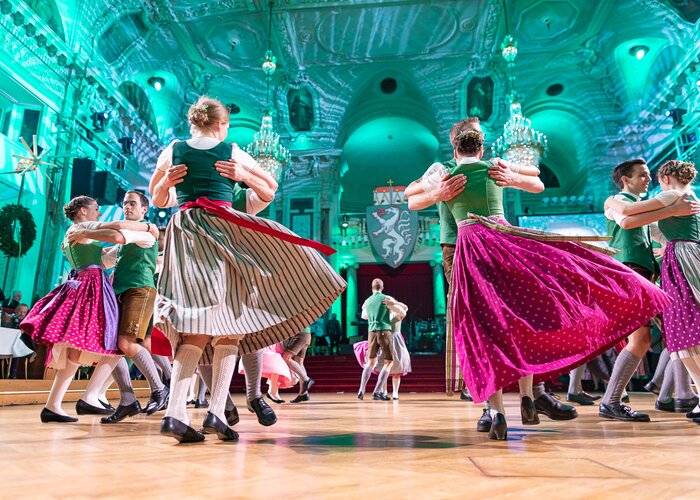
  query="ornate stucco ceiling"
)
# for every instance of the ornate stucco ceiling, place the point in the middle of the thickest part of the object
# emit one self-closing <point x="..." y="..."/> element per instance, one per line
<point x="342" y="50"/>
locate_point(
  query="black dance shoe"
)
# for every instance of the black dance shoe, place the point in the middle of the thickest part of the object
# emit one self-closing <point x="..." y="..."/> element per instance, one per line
<point x="179" y="430"/>
<point x="48" y="416"/>
<point x="528" y="412"/>
<point x="465" y="396"/>
<point x="499" y="428"/>
<point x="684" y="405"/>
<point x="625" y="398"/>
<point x="696" y="420"/>
<point x="548" y="405"/>
<point x="667" y="406"/>
<point x="107" y="405"/>
<point x="301" y="398"/>
<point x="122" y="412"/>
<point x="618" y="411"/>
<point x="273" y="399"/>
<point x="213" y="425"/>
<point x="159" y="401"/>
<point x="232" y="417"/>
<point x="484" y="423"/>
<point x="579" y="398"/>
<point x="266" y="415"/>
<point x="378" y="396"/>
<point x="201" y="403"/>
<point x="307" y="385"/>
<point x="360" y="396"/>
<point x="590" y="396"/>
<point x="693" y="414"/>
<point x="83" y="408"/>
<point x="652" y="387"/>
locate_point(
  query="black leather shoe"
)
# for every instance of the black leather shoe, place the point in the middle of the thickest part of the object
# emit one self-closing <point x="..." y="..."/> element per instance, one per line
<point x="499" y="428"/>
<point x="378" y="396"/>
<point x="484" y="423"/>
<point x="158" y="401"/>
<point x="579" y="398"/>
<point x="302" y="397"/>
<point x="213" y="425"/>
<point x="465" y="396"/>
<point x="696" y="420"/>
<point x="107" y="405"/>
<point x="266" y="415"/>
<point x="528" y="412"/>
<point x="307" y="385"/>
<point x="652" y="387"/>
<point x="591" y="396"/>
<point x="667" y="406"/>
<point x="83" y="408"/>
<point x="232" y="417"/>
<point x="618" y="411"/>
<point x="48" y="416"/>
<point x="179" y="430"/>
<point x="360" y="396"/>
<point x="625" y="398"/>
<point x="122" y="412"/>
<point x="547" y="404"/>
<point x="684" y="405"/>
<point x="203" y="403"/>
<point x="274" y="400"/>
<point x="693" y="414"/>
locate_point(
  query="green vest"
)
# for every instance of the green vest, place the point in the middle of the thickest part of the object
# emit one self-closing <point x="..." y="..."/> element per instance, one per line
<point x="634" y="244"/>
<point x="481" y="195"/>
<point x="448" y="226"/>
<point x="681" y="228"/>
<point x="377" y="312"/>
<point x="135" y="267"/>
<point x="81" y="255"/>
<point x="240" y="200"/>
<point x="202" y="179"/>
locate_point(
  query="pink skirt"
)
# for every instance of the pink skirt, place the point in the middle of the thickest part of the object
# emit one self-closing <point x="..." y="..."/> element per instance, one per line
<point x="80" y="314"/>
<point x="273" y="364"/>
<point x="521" y="306"/>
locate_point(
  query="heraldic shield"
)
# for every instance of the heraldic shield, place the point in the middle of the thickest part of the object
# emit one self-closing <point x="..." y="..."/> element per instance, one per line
<point x="393" y="231"/>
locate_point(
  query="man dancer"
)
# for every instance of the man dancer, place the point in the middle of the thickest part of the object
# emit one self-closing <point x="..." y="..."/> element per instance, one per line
<point x="449" y="188"/>
<point x="376" y="312"/>
<point x="135" y="266"/>
<point x="636" y="252"/>
<point x="294" y="353"/>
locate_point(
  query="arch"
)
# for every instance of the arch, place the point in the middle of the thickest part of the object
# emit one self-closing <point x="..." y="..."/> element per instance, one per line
<point x="666" y="60"/>
<point x="49" y="12"/>
<point x="133" y="93"/>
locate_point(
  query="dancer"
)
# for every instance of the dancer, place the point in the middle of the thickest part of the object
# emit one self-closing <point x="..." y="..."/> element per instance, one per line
<point x="679" y="277"/>
<point x="576" y="394"/>
<point x="632" y="238"/>
<point x="78" y="320"/>
<point x="294" y="353"/>
<point x="233" y="279"/>
<point x="375" y="310"/>
<point x="527" y="303"/>
<point x="275" y="370"/>
<point x="134" y="268"/>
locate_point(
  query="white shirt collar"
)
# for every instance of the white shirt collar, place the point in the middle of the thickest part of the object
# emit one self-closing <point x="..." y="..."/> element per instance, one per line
<point x="636" y="196"/>
<point x="466" y="160"/>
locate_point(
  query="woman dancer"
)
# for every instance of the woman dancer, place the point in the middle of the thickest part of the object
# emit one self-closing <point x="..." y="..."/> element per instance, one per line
<point x="78" y="320"/>
<point x="275" y="370"/>
<point x="399" y="351"/>
<point x="234" y="279"/>
<point x="526" y="303"/>
<point x="679" y="271"/>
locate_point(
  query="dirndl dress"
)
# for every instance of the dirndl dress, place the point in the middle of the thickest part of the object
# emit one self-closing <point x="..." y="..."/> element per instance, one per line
<point x="227" y="273"/>
<point x="527" y="302"/>
<point x="273" y="364"/>
<point x="399" y="351"/>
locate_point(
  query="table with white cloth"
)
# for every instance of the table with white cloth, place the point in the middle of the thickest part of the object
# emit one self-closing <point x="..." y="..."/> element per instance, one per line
<point x="11" y="345"/>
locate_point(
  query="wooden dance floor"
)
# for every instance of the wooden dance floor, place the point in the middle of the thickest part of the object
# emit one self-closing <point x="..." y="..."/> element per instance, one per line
<point x="338" y="447"/>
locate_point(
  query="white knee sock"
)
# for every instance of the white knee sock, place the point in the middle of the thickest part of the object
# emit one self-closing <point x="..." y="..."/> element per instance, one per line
<point x="61" y="382"/>
<point x="183" y="368"/>
<point x="525" y="386"/>
<point x="395" y="383"/>
<point x="575" y="376"/>
<point x="224" y="363"/>
<point x="496" y="403"/>
<point x="100" y="374"/>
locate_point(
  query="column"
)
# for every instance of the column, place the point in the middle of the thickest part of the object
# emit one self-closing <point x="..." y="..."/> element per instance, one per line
<point x="438" y="288"/>
<point x="351" y="301"/>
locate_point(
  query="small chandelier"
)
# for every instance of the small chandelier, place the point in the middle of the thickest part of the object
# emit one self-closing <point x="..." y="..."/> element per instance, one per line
<point x="520" y="143"/>
<point x="266" y="148"/>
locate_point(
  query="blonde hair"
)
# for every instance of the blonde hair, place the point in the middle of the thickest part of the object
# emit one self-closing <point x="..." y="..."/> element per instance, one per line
<point x="683" y="171"/>
<point x="207" y="112"/>
<point x="377" y="284"/>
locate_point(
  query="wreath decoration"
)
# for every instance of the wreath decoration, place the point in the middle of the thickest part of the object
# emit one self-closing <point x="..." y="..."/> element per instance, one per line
<point x="27" y="230"/>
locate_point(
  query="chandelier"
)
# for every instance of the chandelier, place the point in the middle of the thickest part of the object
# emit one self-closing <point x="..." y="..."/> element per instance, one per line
<point x="520" y="144"/>
<point x="266" y="148"/>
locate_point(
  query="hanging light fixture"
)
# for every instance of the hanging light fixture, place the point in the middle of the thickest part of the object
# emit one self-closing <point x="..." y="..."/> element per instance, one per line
<point x="266" y="147"/>
<point x="520" y="143"/>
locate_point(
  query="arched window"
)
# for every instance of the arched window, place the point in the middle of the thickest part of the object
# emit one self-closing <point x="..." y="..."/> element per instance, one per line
<point x="138" y="98"/>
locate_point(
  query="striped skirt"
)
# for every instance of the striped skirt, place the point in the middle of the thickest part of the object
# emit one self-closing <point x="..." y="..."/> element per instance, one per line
<point x="222" y="279"/>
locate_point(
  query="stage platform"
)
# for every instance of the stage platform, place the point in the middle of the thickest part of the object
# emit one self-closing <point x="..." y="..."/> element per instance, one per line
<point x="336" y="446"/>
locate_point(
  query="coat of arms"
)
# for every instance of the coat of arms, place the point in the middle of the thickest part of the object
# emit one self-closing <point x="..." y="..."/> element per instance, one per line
<point x="393" y="230"/>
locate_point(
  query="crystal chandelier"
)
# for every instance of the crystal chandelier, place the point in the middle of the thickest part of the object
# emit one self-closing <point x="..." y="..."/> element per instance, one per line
<point x="520" y="143"/>
<point x="266" y="148"/>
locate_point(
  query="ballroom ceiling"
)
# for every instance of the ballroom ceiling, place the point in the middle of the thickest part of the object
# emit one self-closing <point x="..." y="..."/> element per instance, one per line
<point x="578" y="72"/>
